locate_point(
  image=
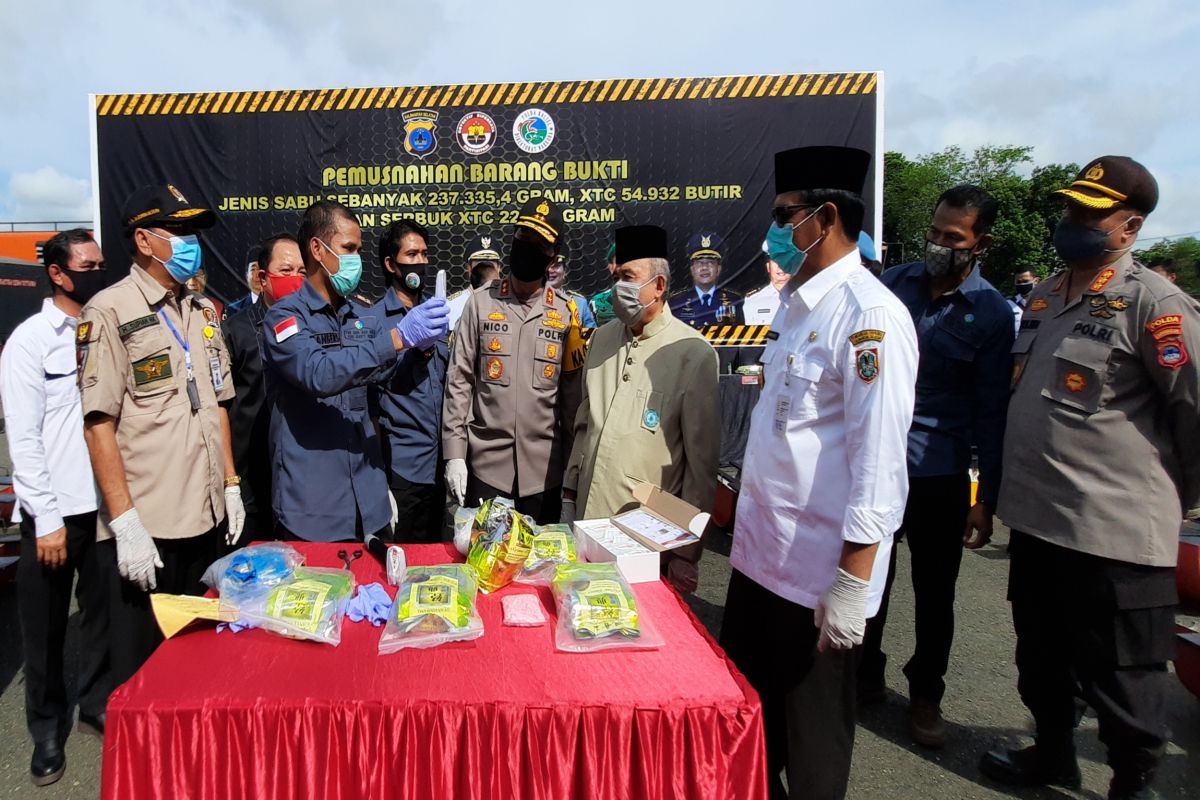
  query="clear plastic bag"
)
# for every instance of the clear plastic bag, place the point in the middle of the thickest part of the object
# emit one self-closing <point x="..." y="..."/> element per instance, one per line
<point x="311" y="605"/>
<point x="464" y="521"/>
<point x="253" y="568"/>
<point x="500" y="540"/>
<point x="552" y="546"/>
<point x="433" y="605"/>
<point x="598" y="611"/>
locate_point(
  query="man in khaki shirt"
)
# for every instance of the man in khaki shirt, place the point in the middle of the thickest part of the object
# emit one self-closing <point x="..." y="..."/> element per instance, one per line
<point x="1100" y="466"/>
<point x="155" y="385"/>
<point x="506" y="418"/>
<point x="649" y="411"/>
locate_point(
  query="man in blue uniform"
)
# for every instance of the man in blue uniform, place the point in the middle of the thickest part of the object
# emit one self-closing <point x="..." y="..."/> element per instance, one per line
<point x="964" y="334"/>
<point x="409" y="404"/>
<point x="705" y="304"/>
<point x="321" y="351"/>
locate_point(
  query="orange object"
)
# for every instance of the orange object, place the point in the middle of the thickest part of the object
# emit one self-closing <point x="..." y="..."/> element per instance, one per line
<point x="723" y="505"/>
<point x="1187" y="661"/>
<point x="1187" y="574"/>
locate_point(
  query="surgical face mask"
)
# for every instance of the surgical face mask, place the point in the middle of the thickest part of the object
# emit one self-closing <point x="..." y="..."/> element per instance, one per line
<point x="783" y="251"/>
<point x="87" y="284"/>
<point x="627" y="302"/>
<point x="942" y="261"/>
<point x="1077" y="243"/>
<point x="184" y="263"/>
<point x="1024" y="289"/>
<point x="527" y="262"/>
<point x="280" y="286"/>
<point x="349" y="273"/>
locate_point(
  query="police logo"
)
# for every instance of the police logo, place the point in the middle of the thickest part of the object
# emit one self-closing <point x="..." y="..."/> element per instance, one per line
<point x="419" y="138"/>
<point x="476" y="134"/>
<point x="533" y="130"/>
<point x="1095" y="172"/>
<point x="494" y="345"/>
<point x="548" y="371"/>
<point x="866" y="364"/>
<point x="1172" y="354"/>
<point x="551" y="350"/>
<point x="552" y="314"/>
<point x="495" y="369"/>
<point x="1075" y="382"/>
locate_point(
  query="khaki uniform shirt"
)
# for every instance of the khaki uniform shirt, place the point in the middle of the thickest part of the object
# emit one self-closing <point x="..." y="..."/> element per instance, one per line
<point x="649" y="414"/>
<point x="508" y="406"/>
<point x="132" y="369"/>
<point x="1100" y="452"/>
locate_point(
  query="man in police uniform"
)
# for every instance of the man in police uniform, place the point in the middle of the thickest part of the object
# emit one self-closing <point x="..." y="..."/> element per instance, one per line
<point x="556" y="279"/>
<point x="705" y="304"/>
<point x="965" y="334"/>
<point x="321" y="352"/>
<point x="649" y="411"/>
<point x="279" y="271"/>
<point x="825" y="480"/>
<point x="1100" y="465"/>
<point x="409" y="403"/>
<point x="155" y="386"/>
<point x="483" y="256"/>
<point x="506" y="420"/>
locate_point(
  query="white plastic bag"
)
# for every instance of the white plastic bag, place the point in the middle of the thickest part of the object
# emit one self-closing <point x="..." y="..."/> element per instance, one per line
<point x="433" y="605"/>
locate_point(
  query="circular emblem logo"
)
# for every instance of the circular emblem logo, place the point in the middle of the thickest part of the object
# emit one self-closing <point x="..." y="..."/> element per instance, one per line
<point x="1095" y="172"/>
<point x="650" y="418"/>
<point x="533" y="130"/>
<point x="476" y="133"/>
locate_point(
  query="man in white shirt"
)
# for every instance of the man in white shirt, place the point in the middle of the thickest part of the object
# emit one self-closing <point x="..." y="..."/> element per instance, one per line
<point x="762" y="304"/>
<point x="483" y="266"/>
<point x="826" y="477"/>
<point x="56" y="496"/>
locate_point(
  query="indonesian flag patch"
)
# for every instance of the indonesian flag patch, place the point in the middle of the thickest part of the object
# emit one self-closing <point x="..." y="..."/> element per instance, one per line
<point x="286" y="328"/>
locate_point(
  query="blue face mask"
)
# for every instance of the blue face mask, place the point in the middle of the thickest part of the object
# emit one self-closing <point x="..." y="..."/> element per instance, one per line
<point x="783" y="251"/>
<point x="349" y="273"/>
<point x="184" y="263"/>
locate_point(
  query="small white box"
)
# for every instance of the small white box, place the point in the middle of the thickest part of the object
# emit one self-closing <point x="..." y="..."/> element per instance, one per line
<point x="600" y="542"/>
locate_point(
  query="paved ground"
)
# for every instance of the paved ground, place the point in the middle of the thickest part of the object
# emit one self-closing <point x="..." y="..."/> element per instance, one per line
<point x="981" y="704"/>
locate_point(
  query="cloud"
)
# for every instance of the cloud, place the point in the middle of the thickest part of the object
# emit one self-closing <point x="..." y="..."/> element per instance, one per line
<point x="45" y="194"/>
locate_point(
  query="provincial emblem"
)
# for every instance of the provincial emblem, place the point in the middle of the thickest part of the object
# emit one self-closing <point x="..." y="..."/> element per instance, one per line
<point x="866" y="364"/>
<point x="419" y="137"/>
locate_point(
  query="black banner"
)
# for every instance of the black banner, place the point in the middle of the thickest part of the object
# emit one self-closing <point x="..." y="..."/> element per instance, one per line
<point x="690" y="155"/>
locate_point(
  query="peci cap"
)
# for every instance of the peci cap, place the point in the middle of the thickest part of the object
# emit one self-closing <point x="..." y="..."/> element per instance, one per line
<point x="484" y="247"/>
<point x="162" y="205"/>
<point x="1110" y="180"/>
<point x="704" y="245"/>
<point x="821" y="167"/>
<point x="543" y="217"/>
<point x="640" y="241"/>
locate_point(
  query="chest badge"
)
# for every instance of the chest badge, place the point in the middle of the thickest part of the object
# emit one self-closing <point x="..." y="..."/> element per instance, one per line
<point x="1039" y="305"/>
<point x="548" y="371"/>
<point x="495" y="369"/>
<point x="358" y="324"/>
<point x="551" y="350"/>
<point x="494" y="345"/>
<point x="650" y="419"/>
<point x="497" y="316"/>
<point x="1075" y="382"/>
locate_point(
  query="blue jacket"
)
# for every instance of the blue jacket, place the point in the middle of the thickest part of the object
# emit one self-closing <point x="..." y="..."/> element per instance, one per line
<point x="318" y="362"/>
<point x="410" y="402"/>
<point x="965" y="339"/>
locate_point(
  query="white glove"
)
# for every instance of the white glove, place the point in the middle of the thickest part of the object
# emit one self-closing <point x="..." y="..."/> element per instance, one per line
<point x="395" y="510"/>
<point x="235" y="514"/>
<point x="456" y="479"/>
<point x="842" y="613"/>
<point x="567" y="515"/>
<point x="137" y="557"/>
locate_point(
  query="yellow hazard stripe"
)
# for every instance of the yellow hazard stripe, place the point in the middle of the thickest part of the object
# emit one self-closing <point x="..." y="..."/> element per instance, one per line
<point x="735" y="335"/>
<point x="488" y="94"/>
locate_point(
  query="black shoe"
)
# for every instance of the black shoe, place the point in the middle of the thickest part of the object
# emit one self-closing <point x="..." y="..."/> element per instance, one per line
<point x="871" y="693"/>
<point x="92" y="726"/>
<point x="48" y="763"/>
<point x="1135" y="786"/>
<point x="1027" y="768"/>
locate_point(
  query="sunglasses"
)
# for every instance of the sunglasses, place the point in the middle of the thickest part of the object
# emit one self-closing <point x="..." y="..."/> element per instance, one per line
<point x="782" y="214"/>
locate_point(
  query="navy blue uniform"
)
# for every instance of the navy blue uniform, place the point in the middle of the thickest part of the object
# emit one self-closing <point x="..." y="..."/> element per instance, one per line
<point x="717" y="307"/>
<point x="330" y="484"/>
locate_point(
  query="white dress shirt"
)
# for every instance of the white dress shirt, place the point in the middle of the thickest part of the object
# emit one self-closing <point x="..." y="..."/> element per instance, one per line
<point x="826" y="460"/>
<point x="760" y="307"/>
<point x="52" y="474"/>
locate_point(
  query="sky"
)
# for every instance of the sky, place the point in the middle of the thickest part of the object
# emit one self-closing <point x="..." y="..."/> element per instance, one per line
<point x="1073" y="78"/>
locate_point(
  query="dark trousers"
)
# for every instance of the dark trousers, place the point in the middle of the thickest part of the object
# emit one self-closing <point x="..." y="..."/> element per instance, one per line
<point x="134" y="634"/>
<point x="44" y="600"/>
<point x="934" y="519"/>
<point x="807" y="697"/>
<point x="420" y="508"/>
<point x="1101" y="627"/>
<point x="545" y="507"/>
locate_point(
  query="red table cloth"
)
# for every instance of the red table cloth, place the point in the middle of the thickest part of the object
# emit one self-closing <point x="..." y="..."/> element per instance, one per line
<point x="504" y="716"/>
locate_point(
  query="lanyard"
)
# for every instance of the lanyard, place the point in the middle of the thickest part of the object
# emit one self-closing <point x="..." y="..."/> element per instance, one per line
<point x="187" y="351"/>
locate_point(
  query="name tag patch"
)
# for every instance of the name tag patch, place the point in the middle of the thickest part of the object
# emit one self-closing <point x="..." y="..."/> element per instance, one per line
<point x="134" y="325"/>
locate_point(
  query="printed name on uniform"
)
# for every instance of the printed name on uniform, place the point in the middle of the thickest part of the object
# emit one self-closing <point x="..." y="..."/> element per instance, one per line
<point x="866" y="335"/>
<point x="285" y="329"/>
<point x="1094" y="330"/>
<point x="135" y="325"/>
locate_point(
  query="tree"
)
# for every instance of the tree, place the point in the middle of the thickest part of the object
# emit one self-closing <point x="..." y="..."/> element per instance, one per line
<point x="1183" y="253"/>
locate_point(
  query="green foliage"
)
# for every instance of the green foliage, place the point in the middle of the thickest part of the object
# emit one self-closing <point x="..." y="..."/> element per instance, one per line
<point x="1027" y="215"/>
<point x="1183" y="253"/>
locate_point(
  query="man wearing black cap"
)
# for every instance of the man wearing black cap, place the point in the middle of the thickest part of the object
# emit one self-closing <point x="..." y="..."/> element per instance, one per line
<point x="155" y="384"/>
<point x="483" y="263"/>
<point x="825" y="480"/>
<point x="556" y="279"/>
<point x="649" y="411"/>
<point x="705" y="304"/>
<point x="1100" y="465"/>
<point x="506" y="419"/>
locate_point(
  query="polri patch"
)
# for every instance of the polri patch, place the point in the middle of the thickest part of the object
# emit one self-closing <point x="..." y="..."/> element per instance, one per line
<point x="135" y="325"/>
<point x="1172" y="354"/>
<point x="866" y="335"/>
<point x="866" y="364"/>
<point x="151" y="369"/>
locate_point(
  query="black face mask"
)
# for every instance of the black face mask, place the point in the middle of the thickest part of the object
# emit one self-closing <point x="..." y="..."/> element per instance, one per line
<point x="87" y="284"/>
<point x="1024" y="289"/>
<point x="527" y="262"/>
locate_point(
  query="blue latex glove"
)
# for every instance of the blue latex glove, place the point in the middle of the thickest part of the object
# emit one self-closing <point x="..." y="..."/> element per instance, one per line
<point x="235" y="627"/>
<point x="425" y="324"/>
<point x="372" y="603"/>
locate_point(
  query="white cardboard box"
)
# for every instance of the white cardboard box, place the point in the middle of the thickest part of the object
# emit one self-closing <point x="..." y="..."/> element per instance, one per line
<point x="600" y="542"/>
<point x="663" y="521"/>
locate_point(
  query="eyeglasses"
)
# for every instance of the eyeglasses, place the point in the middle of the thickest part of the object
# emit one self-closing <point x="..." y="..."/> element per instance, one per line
<point x="781" y="214"/>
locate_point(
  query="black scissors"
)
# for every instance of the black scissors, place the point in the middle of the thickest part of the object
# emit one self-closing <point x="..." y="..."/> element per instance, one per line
<point x="348" y="558"/>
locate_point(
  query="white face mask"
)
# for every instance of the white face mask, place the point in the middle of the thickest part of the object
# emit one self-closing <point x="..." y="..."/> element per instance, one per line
<point x="627" y="301"/>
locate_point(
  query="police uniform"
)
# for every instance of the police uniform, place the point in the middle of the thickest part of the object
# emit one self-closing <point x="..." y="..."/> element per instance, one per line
<point x="484" y="247"/>
<point x="1100" y="465"/>
<point x="714" y="307"/>
<point x="250" y="419"/>
<point x="825" y="465"/>
<point x="319" y="359"/>
<point x="133" y="368"/>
